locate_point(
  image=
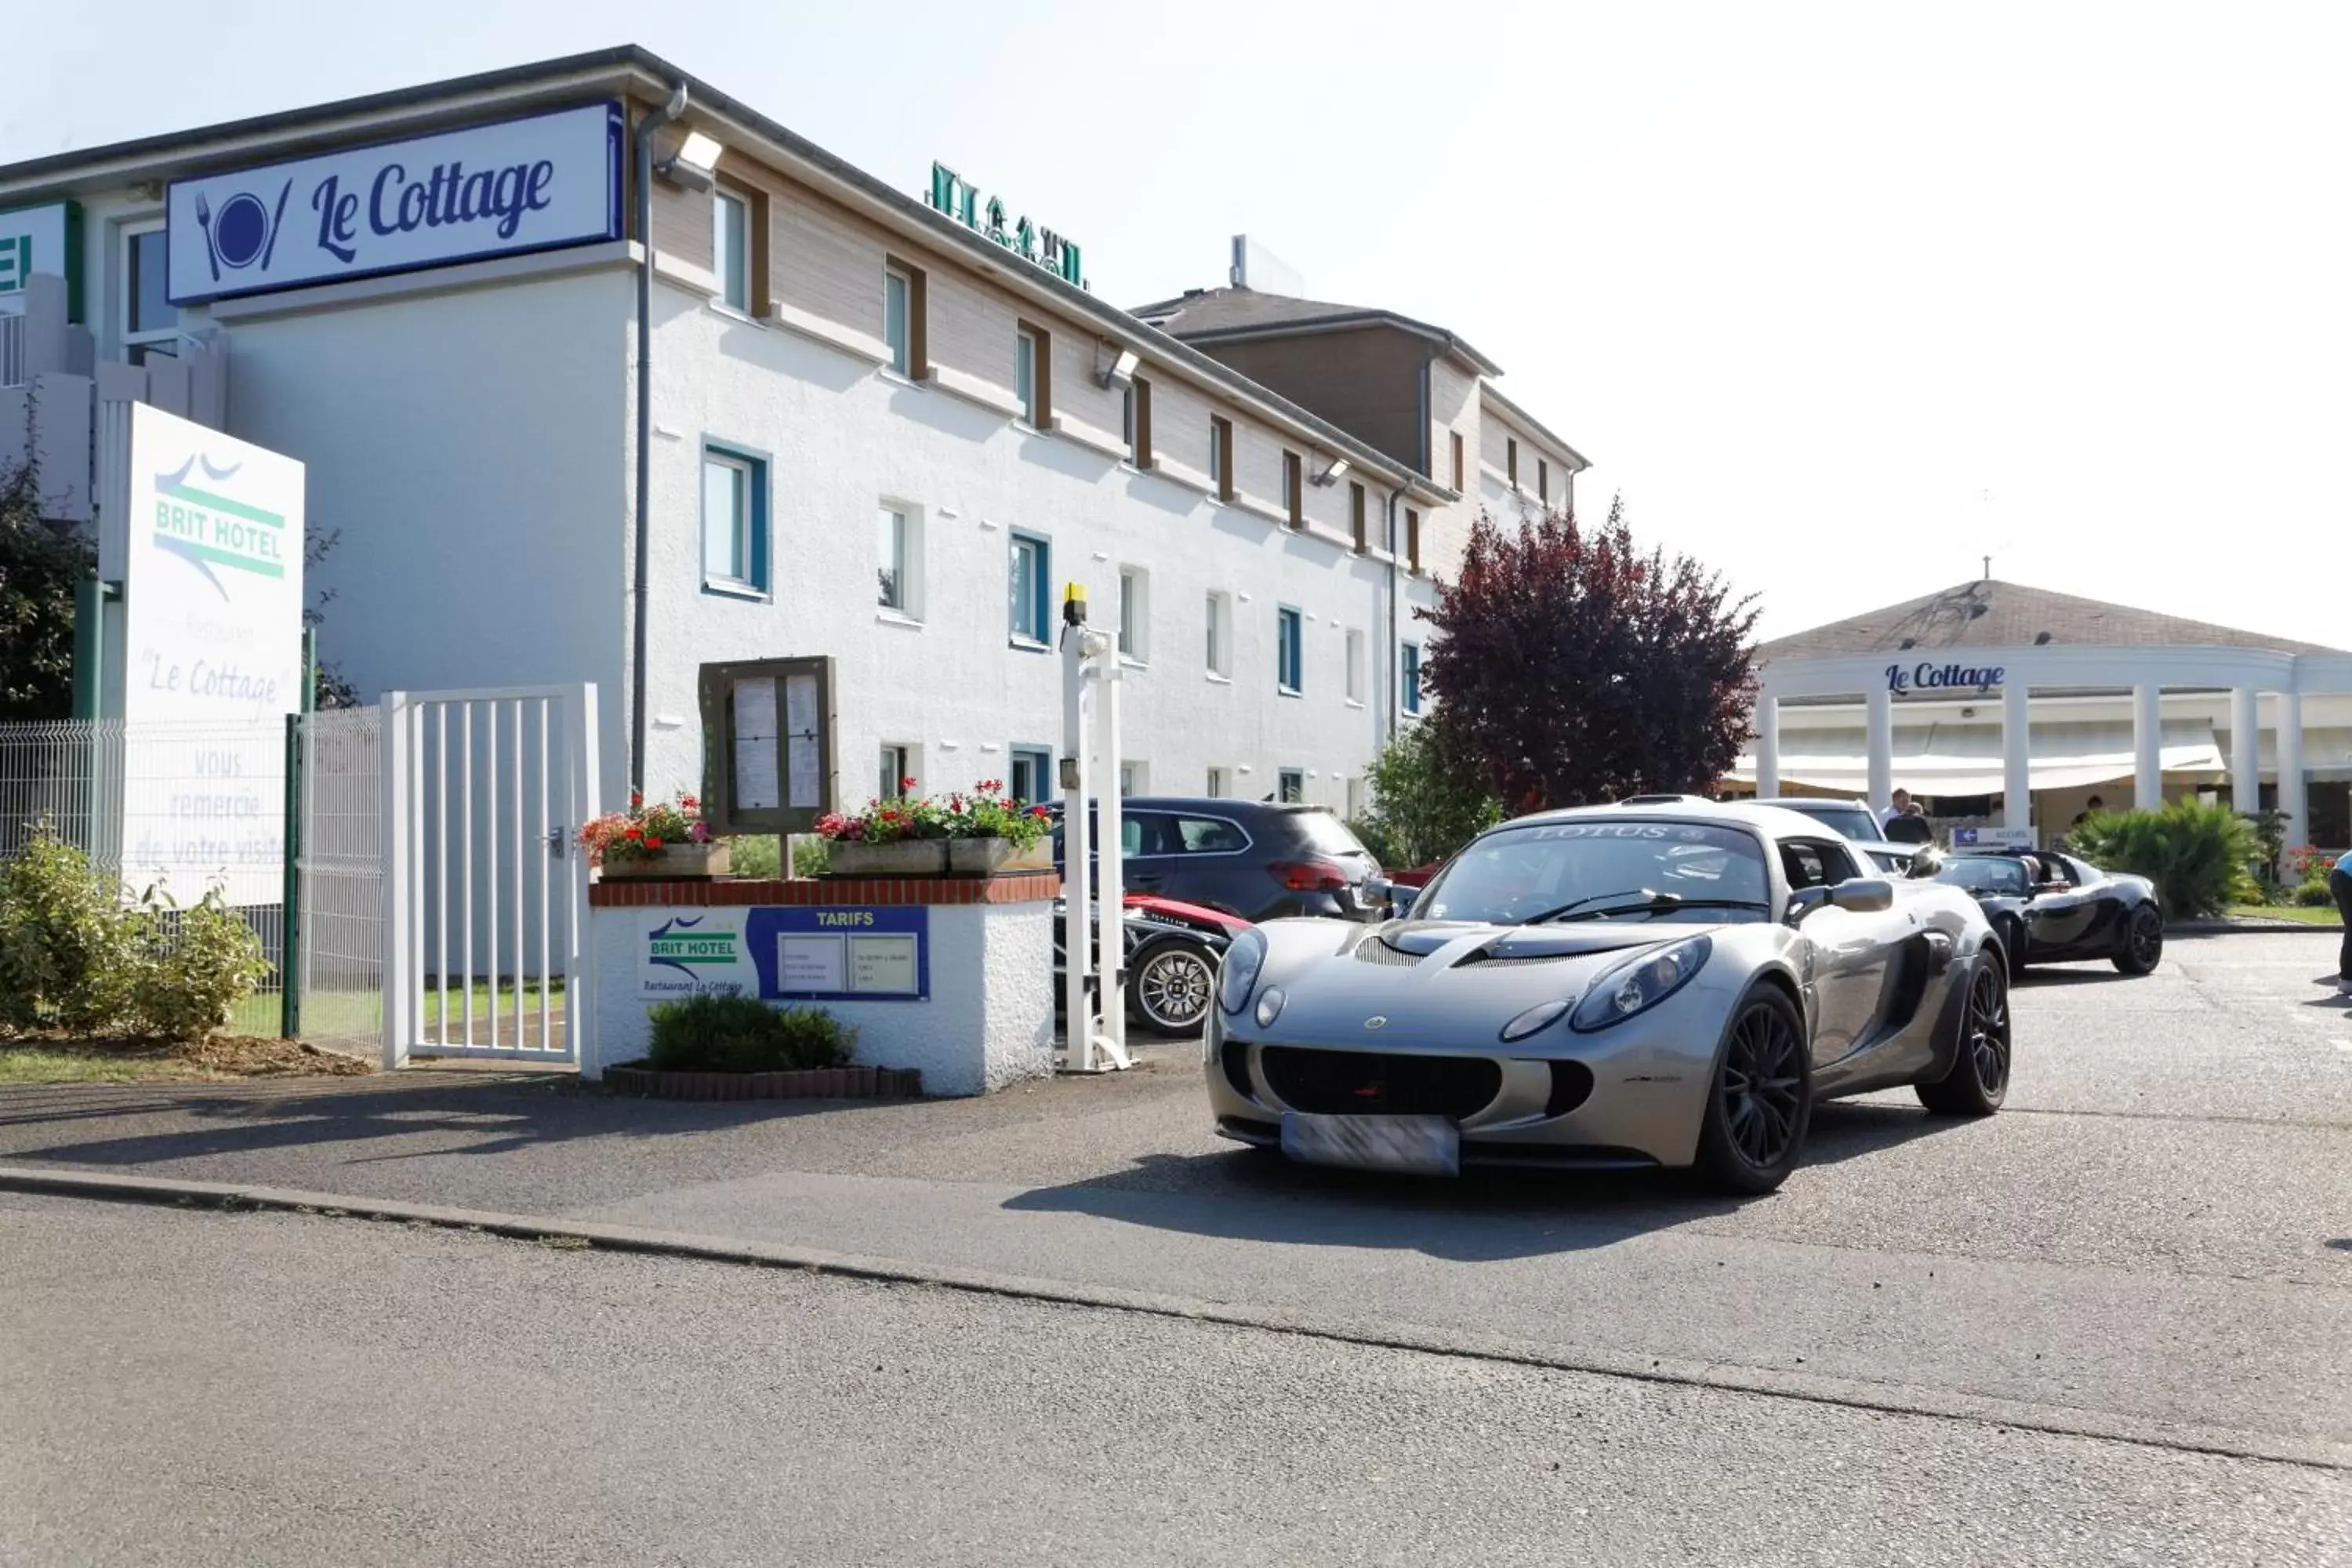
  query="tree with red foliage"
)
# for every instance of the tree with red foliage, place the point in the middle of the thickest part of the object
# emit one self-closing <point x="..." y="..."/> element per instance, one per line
<point x="1570" y="667"/>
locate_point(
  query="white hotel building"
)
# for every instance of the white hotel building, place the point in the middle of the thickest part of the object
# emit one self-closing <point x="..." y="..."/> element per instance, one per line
<point x="873" y="429"/>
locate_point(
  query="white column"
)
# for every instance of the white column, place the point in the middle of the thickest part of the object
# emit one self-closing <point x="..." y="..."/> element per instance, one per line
<point x="2245" y="751"/>
<point x="2017" y="755"/>
<point x="2147" y="748"/>
<point x="1882" y="749"/>
<point x="1767" y="745"/>
<point x="2290" y="767"/>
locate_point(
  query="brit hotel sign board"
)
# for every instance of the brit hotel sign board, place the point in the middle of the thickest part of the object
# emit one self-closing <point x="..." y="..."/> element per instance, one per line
<point x="213" y="659"/>
<point x="504" y="189"/>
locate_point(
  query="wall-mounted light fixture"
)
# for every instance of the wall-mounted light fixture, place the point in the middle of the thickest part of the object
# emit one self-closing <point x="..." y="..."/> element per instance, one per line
<point x="694" y="163"/>
<point x="1331" y="474"/>
<point x="1113" y="366"/>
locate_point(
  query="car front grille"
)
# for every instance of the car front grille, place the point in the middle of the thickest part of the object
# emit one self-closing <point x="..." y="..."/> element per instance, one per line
<point x="1366" y="1083"/>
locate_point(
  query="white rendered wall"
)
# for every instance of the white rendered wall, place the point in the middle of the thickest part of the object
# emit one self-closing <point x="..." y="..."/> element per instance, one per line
<point x="988" y="1022"/>
<point x="841" y="437"/>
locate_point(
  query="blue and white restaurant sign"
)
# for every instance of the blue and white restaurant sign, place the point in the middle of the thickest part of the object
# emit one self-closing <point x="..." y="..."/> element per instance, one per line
<point x="536" y="184"/>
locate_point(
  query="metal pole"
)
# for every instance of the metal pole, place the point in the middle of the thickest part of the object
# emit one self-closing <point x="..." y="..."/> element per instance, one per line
<point x="1112" y="892"/>
<point x="289" y="919"/>
<point x="1077" y="1010"/>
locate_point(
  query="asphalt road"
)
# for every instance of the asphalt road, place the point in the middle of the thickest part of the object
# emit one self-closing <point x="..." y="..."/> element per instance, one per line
<point x="202" y="1388"/>
<point x="2144" y="1262"/>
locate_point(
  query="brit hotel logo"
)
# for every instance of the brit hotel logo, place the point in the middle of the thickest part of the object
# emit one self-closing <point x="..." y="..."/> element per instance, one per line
<point x="208" y="530"/>
<point x="676" y="944"/>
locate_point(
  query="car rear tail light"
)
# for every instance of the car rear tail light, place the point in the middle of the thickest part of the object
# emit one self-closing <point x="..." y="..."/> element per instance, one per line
<point x="1308" y="875"/>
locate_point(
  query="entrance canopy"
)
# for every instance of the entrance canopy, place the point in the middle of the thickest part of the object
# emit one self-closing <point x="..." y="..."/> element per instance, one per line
<point x="1966" y="759"/>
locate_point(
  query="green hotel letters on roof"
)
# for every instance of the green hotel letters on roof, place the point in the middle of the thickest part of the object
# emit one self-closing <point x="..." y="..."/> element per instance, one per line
<point x="952" y="194"/>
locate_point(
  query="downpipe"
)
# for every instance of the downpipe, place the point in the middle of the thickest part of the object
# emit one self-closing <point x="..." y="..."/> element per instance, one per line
<point x="641" y="573"/>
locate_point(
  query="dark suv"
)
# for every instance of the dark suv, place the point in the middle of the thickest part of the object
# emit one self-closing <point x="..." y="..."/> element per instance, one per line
<point x="1252" y="859"/>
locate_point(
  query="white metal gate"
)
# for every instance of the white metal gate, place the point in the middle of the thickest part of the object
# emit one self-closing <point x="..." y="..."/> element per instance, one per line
<point x="486" y="893"/>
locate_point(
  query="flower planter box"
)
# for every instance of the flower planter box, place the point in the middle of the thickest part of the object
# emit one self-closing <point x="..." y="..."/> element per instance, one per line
<point x="809" y="1083"/>
<point x="905" y="857"/>
<point x="670" y="863"/>
<point x="985" y="856"/>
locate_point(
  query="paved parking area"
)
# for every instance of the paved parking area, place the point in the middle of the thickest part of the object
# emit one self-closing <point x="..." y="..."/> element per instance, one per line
<point x="2153" y="1240"/>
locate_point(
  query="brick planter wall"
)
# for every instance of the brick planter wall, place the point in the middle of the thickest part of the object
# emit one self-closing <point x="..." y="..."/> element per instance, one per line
<point x="1004" y="887"/>
<point x="808" y="1083"/>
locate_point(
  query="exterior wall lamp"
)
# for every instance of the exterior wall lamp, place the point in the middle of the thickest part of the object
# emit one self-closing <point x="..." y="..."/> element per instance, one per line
<point x="1332" y="476"/>
<point x="694" y="164"/>
<point x="1115" y="368"/>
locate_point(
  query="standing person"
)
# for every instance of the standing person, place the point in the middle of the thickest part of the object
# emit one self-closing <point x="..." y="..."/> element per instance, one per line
<point x="1902" y="806"/>
<point x="2339" y="882"/>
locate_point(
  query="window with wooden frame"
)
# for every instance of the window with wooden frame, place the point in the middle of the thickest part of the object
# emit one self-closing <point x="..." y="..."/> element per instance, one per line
<point x="1293" y="488"/>
<point x="1455" y="437"/>
<point x="1139" y="423"/>
<point x="1356" y="515"/>
<point x="905" y="315"/>
<point x="739" y="246"/>
<point x="1511" y="460"/>
<point x="1033" y="374"/>
<point x="1412" y="540"/>
<point x="1221" y="456"/>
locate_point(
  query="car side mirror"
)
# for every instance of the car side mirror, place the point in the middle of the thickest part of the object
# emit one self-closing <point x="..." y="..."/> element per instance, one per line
<point x="1804" y="902"/>
<point x="1392" y="898"/>
<point x="1863" y="895"/>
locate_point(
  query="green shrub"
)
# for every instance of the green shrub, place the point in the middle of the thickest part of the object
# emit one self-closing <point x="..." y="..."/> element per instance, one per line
<point x="2196" y="855"/>
<point x="1425" y="803"/>
<point x="716" y="1033"/>
<point x="2311" y="895"/>
<point x="77" y="956"/>
<point x="811" y="856"/>
<point x="754" y="855"/>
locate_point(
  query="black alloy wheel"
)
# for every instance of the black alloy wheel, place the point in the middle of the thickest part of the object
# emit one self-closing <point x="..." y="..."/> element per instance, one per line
<point x="2143" y="947"/>
<point x="1172" y="987"/>
<point x="1761" y="1103"/>
<point x="1977" y="1080"/>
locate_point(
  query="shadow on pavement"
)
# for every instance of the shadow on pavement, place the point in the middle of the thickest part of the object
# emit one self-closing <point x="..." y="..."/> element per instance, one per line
<point x="1252" y="1195"/>
<point x="476" y="1115"/>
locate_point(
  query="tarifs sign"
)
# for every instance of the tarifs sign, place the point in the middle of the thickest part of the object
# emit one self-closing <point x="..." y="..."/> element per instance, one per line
<point x="954" y="195"/>
<point x="213" y="643"/>
<point x="489" y="190"/>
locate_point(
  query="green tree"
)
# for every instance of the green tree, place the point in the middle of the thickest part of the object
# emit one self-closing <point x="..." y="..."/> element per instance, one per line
<point x="39" y="565"/>
<point x="1572" y="666"/>
<point x="1426" y="803"/>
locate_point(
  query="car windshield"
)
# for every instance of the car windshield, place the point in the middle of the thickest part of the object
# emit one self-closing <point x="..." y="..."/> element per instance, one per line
<point x="1850" y="820"/>
<point x="1604" y="870"/>
<point x="1984" y="874"/>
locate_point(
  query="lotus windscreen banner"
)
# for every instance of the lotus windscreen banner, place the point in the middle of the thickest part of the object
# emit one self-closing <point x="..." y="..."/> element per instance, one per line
<point x="518" y="186"/>
<point x="212" y="660"/>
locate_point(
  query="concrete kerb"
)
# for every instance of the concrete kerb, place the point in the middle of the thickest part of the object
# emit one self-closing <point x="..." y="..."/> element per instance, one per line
<point x="1772" y="1382"/>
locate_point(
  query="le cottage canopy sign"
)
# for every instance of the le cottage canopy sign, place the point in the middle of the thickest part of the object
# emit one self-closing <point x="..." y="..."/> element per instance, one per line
<point x="952" y="194"/>
<point x="1907" y="680"/>
<point x="518" y="186"/>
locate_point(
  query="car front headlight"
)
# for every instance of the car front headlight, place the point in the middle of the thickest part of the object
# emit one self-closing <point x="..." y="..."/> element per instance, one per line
<point x="1238" y="977"/>
<point x="1269" y="1006"/>
<point x="1534" y="1018"/>
<point x="1640" y="983"/>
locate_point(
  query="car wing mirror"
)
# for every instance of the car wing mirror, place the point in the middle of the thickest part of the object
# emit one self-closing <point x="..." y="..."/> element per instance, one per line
<point x="1863" y="895"/>
<point x="1804" y="902"/>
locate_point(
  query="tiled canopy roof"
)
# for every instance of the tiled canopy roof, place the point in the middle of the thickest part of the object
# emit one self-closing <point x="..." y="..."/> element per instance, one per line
<point x="1992" y="613"/>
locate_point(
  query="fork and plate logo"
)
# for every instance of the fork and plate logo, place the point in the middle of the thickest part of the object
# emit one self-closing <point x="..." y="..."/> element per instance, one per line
<point x="245" y="230"/>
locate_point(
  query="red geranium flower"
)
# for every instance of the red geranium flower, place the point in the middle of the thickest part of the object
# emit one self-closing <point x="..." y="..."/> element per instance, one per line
<point x="907" y="782"/>
<point x="634" y="833"/>
<point x="652" y="843"/>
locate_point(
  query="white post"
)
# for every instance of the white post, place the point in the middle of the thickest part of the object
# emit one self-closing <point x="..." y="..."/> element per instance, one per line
<point x="2147" y="748"/>
<point x="2290" y="767"/>
<point x="2017" y="755"/>
<point x="397" y="892"/>
<point x="580" y="976"/>
<point x="1077" y="1013"/>
<point x="2245" y="751"/>
<point x="1767" y="745"/>
<point x="1881" y="706"/>
<point x="1112" y="858"/>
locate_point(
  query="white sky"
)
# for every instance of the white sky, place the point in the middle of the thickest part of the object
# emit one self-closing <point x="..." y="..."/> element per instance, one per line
<point x="1843" y="298"/>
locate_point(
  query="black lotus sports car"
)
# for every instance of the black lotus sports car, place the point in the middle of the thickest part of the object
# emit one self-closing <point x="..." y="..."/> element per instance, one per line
<point x="2050" y="908"/>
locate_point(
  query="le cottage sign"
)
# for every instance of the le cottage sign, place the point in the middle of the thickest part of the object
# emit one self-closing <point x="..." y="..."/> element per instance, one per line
<point x="1924" y="677"/>
<point x="502" y="189"/>
<point x="952" y="194"/>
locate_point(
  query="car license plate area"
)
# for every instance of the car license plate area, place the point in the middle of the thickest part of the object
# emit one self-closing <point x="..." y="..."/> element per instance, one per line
<point x="1417" y="1145"/>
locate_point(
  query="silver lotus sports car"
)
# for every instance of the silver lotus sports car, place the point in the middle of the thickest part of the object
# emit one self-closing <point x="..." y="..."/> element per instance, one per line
<point x="1613" y="986"/>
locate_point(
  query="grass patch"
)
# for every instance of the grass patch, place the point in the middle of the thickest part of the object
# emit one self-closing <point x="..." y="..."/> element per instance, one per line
<point x="2301" y="914"/>
<point x="223" y="1056"/>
